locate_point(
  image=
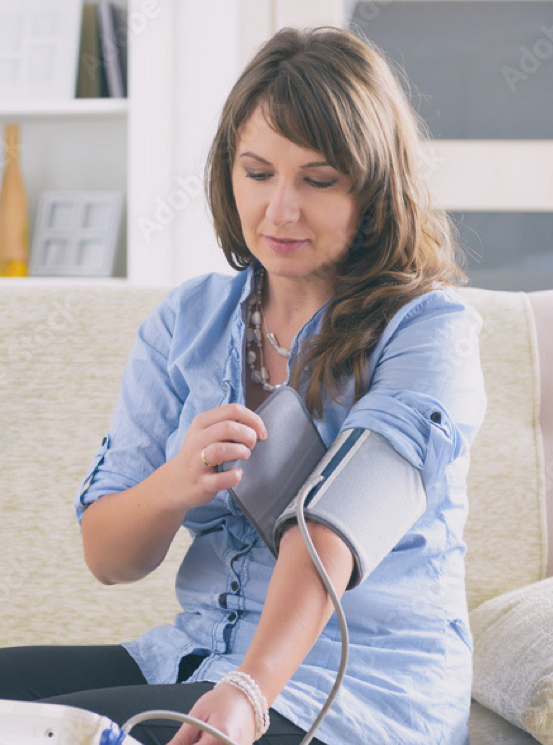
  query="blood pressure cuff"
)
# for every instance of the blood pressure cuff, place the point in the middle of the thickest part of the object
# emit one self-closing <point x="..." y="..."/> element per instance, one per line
<point x="370" y="496"/>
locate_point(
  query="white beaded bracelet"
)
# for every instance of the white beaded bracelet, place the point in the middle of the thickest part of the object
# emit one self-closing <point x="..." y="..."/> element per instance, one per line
<point x="252" y="691"/>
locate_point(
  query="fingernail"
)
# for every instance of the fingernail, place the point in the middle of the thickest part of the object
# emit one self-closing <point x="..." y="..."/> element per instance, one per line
<point x="264" y="434"/>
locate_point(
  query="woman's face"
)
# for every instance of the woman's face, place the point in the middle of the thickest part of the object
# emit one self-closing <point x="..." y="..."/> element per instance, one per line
<point x="297" y="215"/>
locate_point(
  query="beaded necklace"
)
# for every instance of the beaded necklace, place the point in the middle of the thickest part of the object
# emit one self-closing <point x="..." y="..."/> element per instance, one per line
<point x="254" y="336"/>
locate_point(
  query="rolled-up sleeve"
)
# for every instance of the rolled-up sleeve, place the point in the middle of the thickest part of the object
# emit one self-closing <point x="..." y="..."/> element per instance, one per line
<point x="147" y="411"/>
<point x="426" y="390"/>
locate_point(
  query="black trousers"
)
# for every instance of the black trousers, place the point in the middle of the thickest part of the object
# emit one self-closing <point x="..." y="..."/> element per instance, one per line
<point x="106" y="680"/>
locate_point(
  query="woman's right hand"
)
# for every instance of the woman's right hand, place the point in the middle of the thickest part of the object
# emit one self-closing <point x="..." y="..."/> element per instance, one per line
<point x="226" y="433"/>
<point x="127" y="534"/>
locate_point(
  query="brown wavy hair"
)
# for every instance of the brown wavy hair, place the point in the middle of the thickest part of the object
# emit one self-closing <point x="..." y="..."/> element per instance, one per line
<point x="328" y="90"/>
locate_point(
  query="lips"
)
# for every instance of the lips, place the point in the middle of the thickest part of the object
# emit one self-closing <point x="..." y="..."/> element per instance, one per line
<point x="284" y="245"/>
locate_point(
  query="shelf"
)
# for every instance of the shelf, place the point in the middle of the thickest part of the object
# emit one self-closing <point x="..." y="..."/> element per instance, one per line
<point x="42" y="281"/>
<point x="75" y="107"/>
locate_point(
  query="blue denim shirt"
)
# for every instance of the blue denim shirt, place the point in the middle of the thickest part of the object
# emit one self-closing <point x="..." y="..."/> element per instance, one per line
<point x="410" y="669"/>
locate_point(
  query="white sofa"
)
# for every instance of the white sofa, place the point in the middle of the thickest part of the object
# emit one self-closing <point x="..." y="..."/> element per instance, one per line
<point x="62" y="352"/>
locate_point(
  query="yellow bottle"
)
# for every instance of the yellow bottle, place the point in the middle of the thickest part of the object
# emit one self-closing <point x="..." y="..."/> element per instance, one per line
<point x="14" y="220"/>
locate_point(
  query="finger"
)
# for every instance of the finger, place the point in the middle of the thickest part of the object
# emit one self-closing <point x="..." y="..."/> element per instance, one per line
<point x="230" y="431"/>
<point x="219" y="452"/>
<point x="222" y="480"/>
<point x="236" y="413"/>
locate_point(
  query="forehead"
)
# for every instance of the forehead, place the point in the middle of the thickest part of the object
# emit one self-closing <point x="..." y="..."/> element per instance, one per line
<point x="257" y="131"/>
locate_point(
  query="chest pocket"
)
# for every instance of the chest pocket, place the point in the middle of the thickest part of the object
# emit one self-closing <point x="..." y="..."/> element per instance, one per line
<point x="205" y="398"/>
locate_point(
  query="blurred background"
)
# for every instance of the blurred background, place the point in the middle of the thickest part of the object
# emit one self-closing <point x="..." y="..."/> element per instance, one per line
<point x="111" y="156"/>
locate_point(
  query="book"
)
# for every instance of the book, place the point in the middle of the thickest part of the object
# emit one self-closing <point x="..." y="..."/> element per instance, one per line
<point x="103" y="90"/>
<point x="88" y="79"/>
<point x="121" y="33"/>
<point x="110" y="50"/>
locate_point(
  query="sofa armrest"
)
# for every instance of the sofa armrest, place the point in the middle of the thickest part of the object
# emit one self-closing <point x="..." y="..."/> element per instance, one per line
<point x="542" y="306"/>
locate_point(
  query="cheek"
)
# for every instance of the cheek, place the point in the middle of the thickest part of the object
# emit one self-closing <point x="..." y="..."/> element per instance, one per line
<point x="246" y="204"/>
<point x="341" y="220"/>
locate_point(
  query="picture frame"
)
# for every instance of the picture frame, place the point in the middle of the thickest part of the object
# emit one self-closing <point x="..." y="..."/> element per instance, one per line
<point x="39" y="49"/>
<point x="76" y="234"/>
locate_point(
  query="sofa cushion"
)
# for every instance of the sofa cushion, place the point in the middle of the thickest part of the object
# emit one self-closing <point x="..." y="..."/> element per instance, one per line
<point x="62" y="351"/>
<point x="513" y="657"/>
<point x="488" y="728"/>
<point x="506" y="531"/>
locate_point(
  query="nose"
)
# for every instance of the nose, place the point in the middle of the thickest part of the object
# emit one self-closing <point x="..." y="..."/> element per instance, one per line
<point x="283" y="207"/>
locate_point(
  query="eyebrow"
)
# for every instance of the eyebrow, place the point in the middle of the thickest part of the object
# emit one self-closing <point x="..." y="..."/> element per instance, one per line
<point x="314" y="164"/>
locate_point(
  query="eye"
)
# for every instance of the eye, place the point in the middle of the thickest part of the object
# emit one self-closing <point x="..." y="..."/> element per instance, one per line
<point x="257" y="176"/>
<point x="320" y="184"/>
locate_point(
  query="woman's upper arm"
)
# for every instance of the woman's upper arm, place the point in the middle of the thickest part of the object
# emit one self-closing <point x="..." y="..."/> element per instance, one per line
<point x="426" y="394"/>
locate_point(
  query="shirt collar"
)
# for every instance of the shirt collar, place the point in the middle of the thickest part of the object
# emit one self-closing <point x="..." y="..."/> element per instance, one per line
<point x="247" y="287"/>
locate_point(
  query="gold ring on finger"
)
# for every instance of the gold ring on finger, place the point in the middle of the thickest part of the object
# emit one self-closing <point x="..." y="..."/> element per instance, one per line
<point x="205" y="460"/>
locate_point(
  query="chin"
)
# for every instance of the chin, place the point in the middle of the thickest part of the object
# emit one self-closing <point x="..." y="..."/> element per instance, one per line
<point x="285" y="265"/>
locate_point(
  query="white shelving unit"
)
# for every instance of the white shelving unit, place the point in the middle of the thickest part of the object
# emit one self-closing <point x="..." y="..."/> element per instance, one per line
<point x="72" y="144"/>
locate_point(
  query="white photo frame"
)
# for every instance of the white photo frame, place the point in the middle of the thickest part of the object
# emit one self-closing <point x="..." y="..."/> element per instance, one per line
<point x="76" y="234"/>
<point x="39" y="49"/>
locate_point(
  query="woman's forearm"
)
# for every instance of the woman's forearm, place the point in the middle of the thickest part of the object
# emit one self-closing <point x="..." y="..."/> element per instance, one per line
<point x="297" y="607"/>
<point x="127" y="535"/>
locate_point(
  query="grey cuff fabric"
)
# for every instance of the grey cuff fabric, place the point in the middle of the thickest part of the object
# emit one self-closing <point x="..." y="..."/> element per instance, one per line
<point x="370" y="496"/>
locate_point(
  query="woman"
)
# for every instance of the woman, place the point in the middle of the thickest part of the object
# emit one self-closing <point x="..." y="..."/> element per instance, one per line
<point x="346" y="294"/>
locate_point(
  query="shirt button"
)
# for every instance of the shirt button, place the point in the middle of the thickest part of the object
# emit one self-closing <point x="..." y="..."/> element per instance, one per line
<point x="232" y="617"/>
<point x="436" y="417"/>
<point x="223" y="599"/>
<point x="234" y="586"/>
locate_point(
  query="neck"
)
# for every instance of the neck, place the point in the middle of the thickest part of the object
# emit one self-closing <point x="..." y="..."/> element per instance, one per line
<point x="288" y="303"/>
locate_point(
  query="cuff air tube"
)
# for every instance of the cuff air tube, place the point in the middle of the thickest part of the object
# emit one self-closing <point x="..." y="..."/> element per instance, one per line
<point x="370" y="496"/>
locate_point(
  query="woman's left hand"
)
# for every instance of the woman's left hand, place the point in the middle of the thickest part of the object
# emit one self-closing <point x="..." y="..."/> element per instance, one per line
<point x="225" y="708"/>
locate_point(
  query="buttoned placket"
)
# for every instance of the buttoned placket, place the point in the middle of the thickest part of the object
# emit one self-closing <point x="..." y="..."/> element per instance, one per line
<point x="230" y="600"/>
